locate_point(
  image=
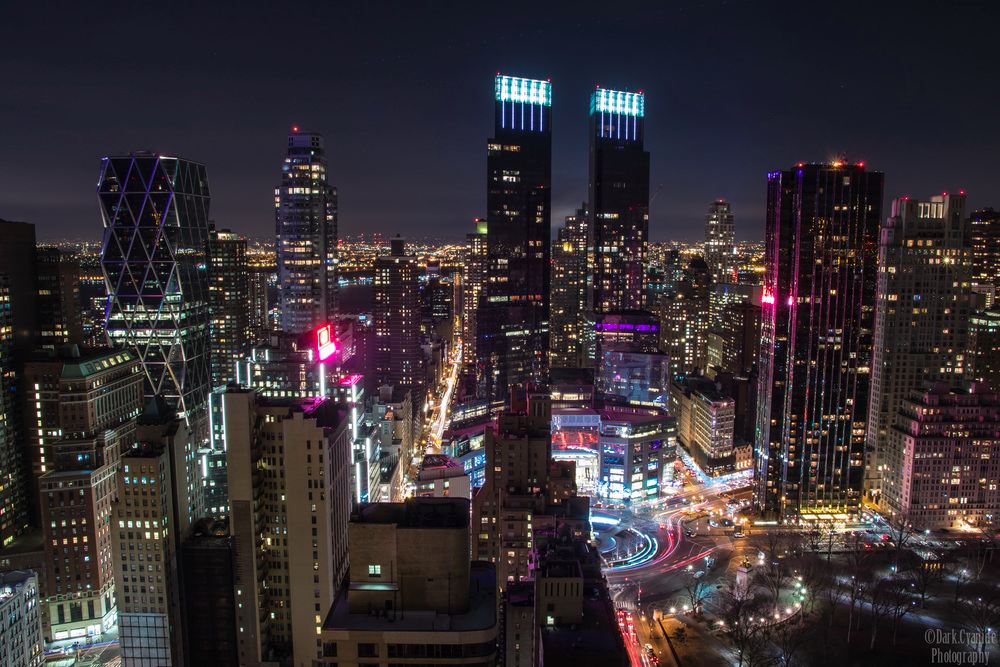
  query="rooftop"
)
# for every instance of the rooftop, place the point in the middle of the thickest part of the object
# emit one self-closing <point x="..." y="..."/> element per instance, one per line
<point x="481" y="614"/>
<point x="596" y="642"/>
<point x="416" y="513"/>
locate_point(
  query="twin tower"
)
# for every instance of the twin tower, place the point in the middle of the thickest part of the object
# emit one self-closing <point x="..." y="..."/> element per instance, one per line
<point x="511" y="343"/>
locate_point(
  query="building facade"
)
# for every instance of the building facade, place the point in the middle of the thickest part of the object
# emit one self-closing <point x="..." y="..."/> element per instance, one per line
<point x="305" y="220"/>
<point x="571" y="337"/>
<point x="414" y="597"/>
<point x="720" y="242"/>
<point x="619" y="199"/>
<point x="155" y="211"/>
<point x="399" y="359"/>
<point x="512" y="323"/>
<point x="20" y="620"/>
<point x="229" y="303"/>
<point x="82" y="410"/>
<point x="59" y="306"/>
<point x="816" y="339"/>
<point x="942" y="459"/>
<point x="921" y="315"/>
<point x="289" y="465"/>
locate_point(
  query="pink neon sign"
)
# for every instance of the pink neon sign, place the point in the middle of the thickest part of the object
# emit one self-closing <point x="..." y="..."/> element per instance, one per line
<point x="325" y="345"/>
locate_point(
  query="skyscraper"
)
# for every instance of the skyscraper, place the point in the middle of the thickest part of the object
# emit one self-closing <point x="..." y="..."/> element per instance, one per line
<point x="816" y="338"/>
<point x="571" y="338"/>
<point x="58" y="306"/>
<point x="155" y="211"/>
<point x="229" y="303"/>
<point x="921" y="315"/>
<point x="473" y="284"/>
<point x="14" y="499"/>
<point x="305" y="220"/>
<point x="619" y="199"/>
<point x="398" y="355"/>
<point x="513" y="321"/>
<point x="720" y="242"/>
<point x="289" y="466"/>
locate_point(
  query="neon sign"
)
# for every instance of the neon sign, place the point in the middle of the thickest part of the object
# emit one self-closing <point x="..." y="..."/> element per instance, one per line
<point x="325" y="345"/>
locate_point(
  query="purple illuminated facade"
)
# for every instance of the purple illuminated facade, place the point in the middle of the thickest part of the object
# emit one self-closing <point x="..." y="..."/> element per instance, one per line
<point x="816" y="339"/>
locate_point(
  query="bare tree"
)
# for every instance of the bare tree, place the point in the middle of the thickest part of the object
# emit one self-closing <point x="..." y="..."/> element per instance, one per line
<point x="696" y="591"/>
<point x="900" y="531"/>
<point x="789" y="641"/>
<point x="743" y="623"/>
<point x="833" y="595"/>
<point x="814" y="576"/>
<point x="922" y="575"/>
<point x="980" y="613"/>
<point x="899" y="603"/>
<point x="876" y="594"/>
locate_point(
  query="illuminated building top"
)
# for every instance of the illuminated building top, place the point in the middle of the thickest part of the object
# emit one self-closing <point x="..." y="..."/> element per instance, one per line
<point x="527" y="91"/>
<point x="617" y="101"/>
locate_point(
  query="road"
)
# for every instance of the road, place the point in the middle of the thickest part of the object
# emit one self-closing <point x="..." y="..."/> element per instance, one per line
<point x="685" y="545"/>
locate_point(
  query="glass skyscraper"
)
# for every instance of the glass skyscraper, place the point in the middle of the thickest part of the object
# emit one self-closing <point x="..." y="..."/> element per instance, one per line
<point x="155" y="211"/>
<point x="305" y="221"/>
<point x="821" y="252"/>
<point x="619" y="199"/>
<point x="512" y="327"/>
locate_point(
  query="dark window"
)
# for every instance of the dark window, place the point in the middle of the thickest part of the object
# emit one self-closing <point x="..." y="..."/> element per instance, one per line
<point x="367" y="650"/>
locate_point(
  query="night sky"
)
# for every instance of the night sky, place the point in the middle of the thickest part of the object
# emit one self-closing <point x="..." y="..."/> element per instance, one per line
<point x="404" y="95"/>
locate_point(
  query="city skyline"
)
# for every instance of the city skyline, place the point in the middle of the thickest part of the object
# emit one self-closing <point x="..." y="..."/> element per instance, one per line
<point x="681" y="428"/>
<point x="710" y="107"/>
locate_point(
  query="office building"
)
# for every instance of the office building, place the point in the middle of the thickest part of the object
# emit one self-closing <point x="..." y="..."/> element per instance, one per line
<point x="942" y="459"/>
<point x="706" y="422"/>
<point x="148" y="525"/>
<point x="289" y="467"/>
<point x="20" y="620"/>
<point x="512" y="324"/>
<point x="398" y="355"/>
<point x="261" y="282"/>
<point x="720" y="242"/>
<point x="18" y="332"/>
<point x="813" y="379"/>
<point x="15" y="497"/>
<point x="619" y="199"/>
<point x="58" y="305"/>
<point x="228" y="302"/>
<point x="921" y="314"/>
<point x="82" y="410"/>
<point x="305" y="221"/>
<point x="571" y="338"/>
<point x="413" y="596"/>
<point x="155" y="211"/>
